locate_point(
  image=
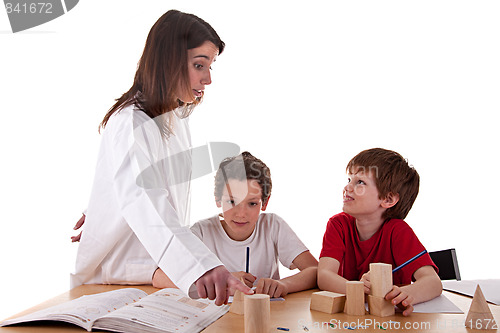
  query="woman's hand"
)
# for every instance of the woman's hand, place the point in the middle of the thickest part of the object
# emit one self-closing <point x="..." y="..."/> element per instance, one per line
<point x="216" y="284"/>
<point x="77" y="226"/>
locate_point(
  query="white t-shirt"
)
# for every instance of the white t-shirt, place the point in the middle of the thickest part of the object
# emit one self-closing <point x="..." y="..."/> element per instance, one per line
<point x="272" y="239"/>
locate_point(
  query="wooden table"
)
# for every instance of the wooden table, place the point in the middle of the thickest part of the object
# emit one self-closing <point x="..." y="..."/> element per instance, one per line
<point x="293" y="313"/>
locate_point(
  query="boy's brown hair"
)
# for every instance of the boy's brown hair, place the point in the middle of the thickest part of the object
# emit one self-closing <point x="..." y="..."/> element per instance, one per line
<point x="244" y="166"/>
<point x="392" y="174"/>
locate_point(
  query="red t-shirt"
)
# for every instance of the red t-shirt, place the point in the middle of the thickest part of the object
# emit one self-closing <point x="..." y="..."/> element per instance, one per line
<point x="394" y="243"/>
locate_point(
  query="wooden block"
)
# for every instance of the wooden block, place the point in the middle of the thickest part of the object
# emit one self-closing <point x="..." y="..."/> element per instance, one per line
<point x="237" y="306"/>
<point x="479" y="315"/>
<point x="380" y="307"/>
<point x="380" y="279"/>
<point x="257" y="313"/>
<point x="328" y="302"/>
<point x="355" y="298"/>
<point x="479" y="303"/>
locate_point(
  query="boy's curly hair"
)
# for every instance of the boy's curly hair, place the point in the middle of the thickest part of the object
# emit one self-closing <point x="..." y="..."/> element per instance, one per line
<point x="244" y="166"/>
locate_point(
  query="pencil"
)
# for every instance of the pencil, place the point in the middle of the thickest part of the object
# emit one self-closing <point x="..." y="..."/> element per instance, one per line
<point x="409" y="261"/>
<point x="248" y="259"/>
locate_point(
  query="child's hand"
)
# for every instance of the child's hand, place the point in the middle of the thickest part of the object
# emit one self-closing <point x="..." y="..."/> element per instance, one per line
<point x="161" y="280"/>
<point x="366" y="280"/>
<point x="273" y="288"/>
<point x="402" y="299"/>
<point x="247" y="278"/>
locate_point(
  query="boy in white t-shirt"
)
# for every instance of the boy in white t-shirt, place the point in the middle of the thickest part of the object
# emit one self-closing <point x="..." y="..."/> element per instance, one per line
<point x="242" y="189"/>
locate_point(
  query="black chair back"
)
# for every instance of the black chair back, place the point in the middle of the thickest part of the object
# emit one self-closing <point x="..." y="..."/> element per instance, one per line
<point x="446" y="261"/>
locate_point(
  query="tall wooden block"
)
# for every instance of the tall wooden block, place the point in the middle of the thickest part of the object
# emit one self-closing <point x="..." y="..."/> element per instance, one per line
<point x="257" y="313"/>
<point x="380" y="279"/>
<point x="380" y="307"/>
<point x="327" y="301"/>
<point x="479" y="315"/>
<point x="355" y="298"/>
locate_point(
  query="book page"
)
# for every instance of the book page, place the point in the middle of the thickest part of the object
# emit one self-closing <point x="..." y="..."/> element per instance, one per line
<point x="84" y="310"/>
<point x="490" y="288"/>
<point x="167" y="310"/>
<point x="440" y="304"/>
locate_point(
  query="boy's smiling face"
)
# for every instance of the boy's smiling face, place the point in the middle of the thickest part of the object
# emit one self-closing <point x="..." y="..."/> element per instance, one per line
<point x="241" y="204"/>
<point x="361" y="196"/>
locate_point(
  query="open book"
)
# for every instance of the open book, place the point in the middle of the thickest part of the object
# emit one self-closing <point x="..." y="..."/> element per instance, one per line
<point x="132" y="310"/>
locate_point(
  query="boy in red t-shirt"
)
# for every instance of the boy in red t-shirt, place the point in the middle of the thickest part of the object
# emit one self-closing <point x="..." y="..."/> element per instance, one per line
<point x="380" y="192"/>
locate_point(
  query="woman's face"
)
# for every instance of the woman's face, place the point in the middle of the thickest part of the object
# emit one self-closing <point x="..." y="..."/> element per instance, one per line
<point x="199" y="61"/>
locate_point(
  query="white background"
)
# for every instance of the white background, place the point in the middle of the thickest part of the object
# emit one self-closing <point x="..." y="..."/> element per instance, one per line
<point x="302" y="85"/>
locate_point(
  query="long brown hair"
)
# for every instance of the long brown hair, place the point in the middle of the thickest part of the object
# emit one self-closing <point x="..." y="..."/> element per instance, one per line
<point x="162" y="70"/>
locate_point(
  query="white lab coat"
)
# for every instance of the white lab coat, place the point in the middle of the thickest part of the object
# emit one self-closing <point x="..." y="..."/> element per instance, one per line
<point x="138" y="215"/>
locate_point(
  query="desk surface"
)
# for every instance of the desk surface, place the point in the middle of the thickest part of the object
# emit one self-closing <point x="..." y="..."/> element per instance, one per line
<point x="293" y="313"/>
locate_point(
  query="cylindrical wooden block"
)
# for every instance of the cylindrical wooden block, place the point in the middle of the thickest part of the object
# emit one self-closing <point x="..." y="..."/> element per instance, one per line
<point x="380" y="279"/>
<point x="355" y="298"/>
<point x="257" y="313"/>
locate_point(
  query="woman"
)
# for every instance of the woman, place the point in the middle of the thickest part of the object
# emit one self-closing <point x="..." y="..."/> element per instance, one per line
<point x="139" y="206"/>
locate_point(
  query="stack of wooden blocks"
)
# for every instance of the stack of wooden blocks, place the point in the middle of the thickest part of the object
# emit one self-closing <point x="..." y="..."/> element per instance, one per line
<point x="353" y="302"/>
<point x="381" y="284"/>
